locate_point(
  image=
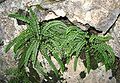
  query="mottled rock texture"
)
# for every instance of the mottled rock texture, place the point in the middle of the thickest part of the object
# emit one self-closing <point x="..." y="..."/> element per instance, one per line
<point x="101" y="14"/>
<point x="115" y="42"/>
<point x="98" y="13"/>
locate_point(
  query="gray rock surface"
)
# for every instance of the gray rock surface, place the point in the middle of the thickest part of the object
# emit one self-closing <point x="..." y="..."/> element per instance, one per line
<point x="99" y="76"/>
<point x="115" y="42"/>
<point x="1" y="41"/>
<point x="98" y="13"/>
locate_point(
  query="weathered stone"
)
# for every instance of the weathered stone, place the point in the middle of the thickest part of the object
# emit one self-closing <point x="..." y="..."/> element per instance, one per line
<point x="72" y="76"/>
<point x="50" y="15"/>
<point x="100" y="14"/>
<point x="115" y="42"/>
<point x="99" y="76"/>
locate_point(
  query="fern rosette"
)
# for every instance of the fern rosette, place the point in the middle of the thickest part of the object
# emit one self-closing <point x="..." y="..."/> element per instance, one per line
<point x="55" y="38"/>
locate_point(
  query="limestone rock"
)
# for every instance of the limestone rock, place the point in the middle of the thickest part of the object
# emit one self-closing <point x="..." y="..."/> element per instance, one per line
<point x="1" y="41"/>
<point x="115" y="42"/>
<point x="98" y="13"/>
<point x="99" y="76"/>
<point x="72" y="76"/>
<point x="50" y="15"/>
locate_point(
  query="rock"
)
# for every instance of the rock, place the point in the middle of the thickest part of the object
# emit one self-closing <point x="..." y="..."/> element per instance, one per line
<point x="115" y="42"/>
<point x="7" y="33"/>
<point x="100" y="14"/>
<point x="95" y="76"/>
<point x="1" y="41"/>
<point x="99" y="76"/>
<point x="50" y="15"/>
<point x="72" y="76"/>
<point x="1" y="33"/>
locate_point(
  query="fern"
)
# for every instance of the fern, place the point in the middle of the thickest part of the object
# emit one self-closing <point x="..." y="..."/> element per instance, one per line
<point x="107" y="54"/>
<point x="20" y="17"/>
<point x="54" y="38"/>
<point x="44" y="51"/>
<point x="40" y="70"/>
<point x="17" y="76"/>
<point x="88" y="63"/>
<point x="78" y="49"/>
<point x="35" y="52"/>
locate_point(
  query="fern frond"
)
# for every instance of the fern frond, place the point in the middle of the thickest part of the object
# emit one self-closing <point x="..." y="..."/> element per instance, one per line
<point x="70" y="38"/>
<point x="35" y="52"/>
<point x="72" y="35"/>
<point x="57" y="57"/>
<point x="107" y="54"/>
<point x="78" y="48"/>
<point x="33" y="16"/>
<point x="106" y="60"/>
<point x="103" y="38"/>
<point x="18" y="53"/>
<point x="28" y="52"/>
<point x="44" y="52"/>
<point x="58" y="60"/>
<point x="92" y="38"/>
<point x="75" y="62"/>
<point x="34" y="22"/>
<point x="70" y="28"/>
<point x="23" y="55"/>
<point x="11" y="43"/>
<point x="22" y="42"/>
<point x="20" y="17"/>
<point x="74" y="28"/>
<point x="56" y="44"/>
<point x="58" y="29"/>
<point x="53" y="24"/>
<point x="110" y="53"/>
<point x="40" y="70"/>
<point x="88" y="60"/>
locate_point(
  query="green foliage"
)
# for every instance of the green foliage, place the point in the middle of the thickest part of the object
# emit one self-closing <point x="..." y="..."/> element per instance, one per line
<point x="17" y="76"/>
<point x="54" y="38"/>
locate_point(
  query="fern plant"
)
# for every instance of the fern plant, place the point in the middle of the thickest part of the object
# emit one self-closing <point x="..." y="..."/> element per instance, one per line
<point x="55" y="38"/>
<point x="37" y="37"/>
<point x="93" y="47"/>
<point x="17" y="76"/>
